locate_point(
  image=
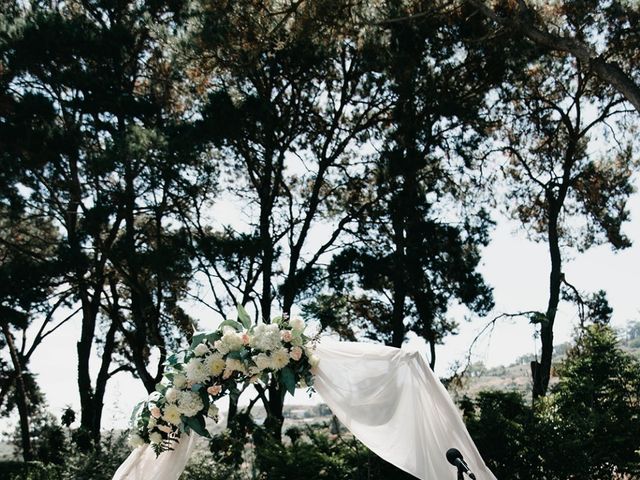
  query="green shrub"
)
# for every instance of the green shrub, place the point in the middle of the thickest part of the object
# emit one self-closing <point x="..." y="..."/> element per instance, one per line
<point x="29" y="471"/>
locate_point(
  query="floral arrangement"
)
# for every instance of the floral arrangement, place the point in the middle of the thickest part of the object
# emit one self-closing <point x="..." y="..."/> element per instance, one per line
<point x="215" y="364"/>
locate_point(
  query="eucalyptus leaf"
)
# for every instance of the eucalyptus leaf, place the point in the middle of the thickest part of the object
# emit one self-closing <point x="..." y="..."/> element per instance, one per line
<point x="232" y="323"/>
<point x="244" y="317"/>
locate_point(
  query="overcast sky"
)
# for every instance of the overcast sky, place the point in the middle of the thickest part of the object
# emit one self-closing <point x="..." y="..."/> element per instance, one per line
<point x="515" y="267"/>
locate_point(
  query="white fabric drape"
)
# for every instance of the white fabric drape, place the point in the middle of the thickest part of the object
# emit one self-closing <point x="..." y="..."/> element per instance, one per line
<point x="393" y="403"/>
<point x="143" y="464"/>
<point x="387" y="397"/>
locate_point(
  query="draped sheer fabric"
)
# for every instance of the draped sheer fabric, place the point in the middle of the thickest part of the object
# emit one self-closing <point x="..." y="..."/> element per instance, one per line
<point x="387" y="397"/>
<point x="143" y="464"/>
<point x="393" y="403"/>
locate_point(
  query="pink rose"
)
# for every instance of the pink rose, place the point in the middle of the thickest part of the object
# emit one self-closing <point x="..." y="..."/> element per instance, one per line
<point x="286" y="335"/>
<point x="296" y="353"/>
<point x="214" y="390"/>
<point x="245" y="339"/>
<point x="155" y="412"/>
<point x="164" y="428"/>
<point x="227" y="374"/>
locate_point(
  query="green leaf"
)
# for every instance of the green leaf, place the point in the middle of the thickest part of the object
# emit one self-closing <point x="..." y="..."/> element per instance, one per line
<point x="136" y="409"/>
<point x="244" y="317"/>
<point x="161" y="388"/>
<point x="236" y="355"/>
<point x="277" y="320"/>
<point x="288" y="379"/>
<point x="232" y="323"/>
<point x="172" y="359"/>
<point x="197" y="339"/>
<point x="196" y="424"/>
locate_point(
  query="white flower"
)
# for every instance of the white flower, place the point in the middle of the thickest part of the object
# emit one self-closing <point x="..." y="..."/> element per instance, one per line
<point x="171" y="414"/>
<point x="232" y="340"/>
<point x="266" y="337"/>
<point x="201" y="350"/>
<point x="215" y="364"/>
<point x="172" y="395"/>
<point x="179" y="380"/>
<point x="313" y="360"/>
<point x="152" y="423"/>
<point x="262" y="361"/>
<point x="155" y="437"/>
<point x="280" y="358"/>
<point x="234" y="365"/>
<point x="135" y="440"/>
<point x="155" y="411"/>
<point x="286" y="335"/>
<point x="221" y="347"/>
<point x="196" y="371"/>
<point x="189" y="403"/>
<point x="297" y="324"/>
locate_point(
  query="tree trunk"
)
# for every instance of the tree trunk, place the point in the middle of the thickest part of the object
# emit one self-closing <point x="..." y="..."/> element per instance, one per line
<point x="542" y="371"/>
<point x="22" y="399"/>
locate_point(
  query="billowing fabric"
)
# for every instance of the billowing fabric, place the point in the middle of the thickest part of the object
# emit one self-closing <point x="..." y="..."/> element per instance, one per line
<point x="143" y="464"/>
<point x="387" y="397"/>
<point x="393" y="403"/>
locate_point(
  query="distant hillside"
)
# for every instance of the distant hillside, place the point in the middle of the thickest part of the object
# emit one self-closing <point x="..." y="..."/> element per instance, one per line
<point x="517" y="376"/>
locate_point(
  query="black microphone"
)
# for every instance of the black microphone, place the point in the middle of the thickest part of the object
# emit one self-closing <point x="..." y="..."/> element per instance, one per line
<point x="454" y="457"/>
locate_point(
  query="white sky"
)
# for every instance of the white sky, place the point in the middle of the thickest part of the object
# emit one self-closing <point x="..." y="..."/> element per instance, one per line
<point x="515" y="267"/>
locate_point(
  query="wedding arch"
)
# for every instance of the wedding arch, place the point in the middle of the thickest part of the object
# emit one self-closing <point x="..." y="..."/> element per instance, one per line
<point x="387" y="397"/>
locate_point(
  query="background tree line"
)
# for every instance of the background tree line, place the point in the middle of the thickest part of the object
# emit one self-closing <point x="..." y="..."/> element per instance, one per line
<point x="343" y="157"/>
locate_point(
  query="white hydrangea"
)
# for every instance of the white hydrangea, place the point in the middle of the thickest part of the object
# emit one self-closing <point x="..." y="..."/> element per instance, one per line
<point x="189" y="403"/>
<point x="155" y="437"/>
<point x="280" y="358"/>
<point x="135" y="440"/>
<point x="196" y="371"/>
<point x="171" y="414"/>
<point x="172" y="395"/>
<point x="215" y="364"/>
<point x="266" y="337"/>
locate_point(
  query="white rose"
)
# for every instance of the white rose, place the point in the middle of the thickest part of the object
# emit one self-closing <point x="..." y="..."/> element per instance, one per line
<point x="201" y="349"/>
<point x="172" y="395"/>
<point x="297" y="324"/>
<point x="262" y="361"/>
<point x="155" y="437"/>
<point x="179" y="380"/>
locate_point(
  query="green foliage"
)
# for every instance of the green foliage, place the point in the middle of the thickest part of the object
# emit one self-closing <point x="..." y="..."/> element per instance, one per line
<point x="588" y="427"/>
<point x="321" y="456"/>
<point x="29" y="471"/>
